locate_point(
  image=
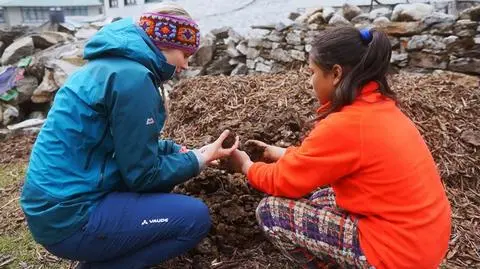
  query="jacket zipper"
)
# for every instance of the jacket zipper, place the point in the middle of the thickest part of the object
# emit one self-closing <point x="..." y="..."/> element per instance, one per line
<point x="102" y="171"/>
<point x="90" y="153"/>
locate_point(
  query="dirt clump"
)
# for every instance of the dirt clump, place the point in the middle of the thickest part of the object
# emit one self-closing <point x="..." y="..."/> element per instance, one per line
<point x="254" y="151"/>
<point x="229" y="141"/>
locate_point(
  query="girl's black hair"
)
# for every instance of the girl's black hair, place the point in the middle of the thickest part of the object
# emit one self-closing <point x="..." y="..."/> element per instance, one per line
<point x="364" y="56"/>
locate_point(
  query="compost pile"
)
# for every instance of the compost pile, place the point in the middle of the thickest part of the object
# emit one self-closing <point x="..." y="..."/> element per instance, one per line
<point x="279" y="109"/>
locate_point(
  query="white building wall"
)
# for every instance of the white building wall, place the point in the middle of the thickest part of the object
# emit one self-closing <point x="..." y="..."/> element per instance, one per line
<point x="133" y="11"/>
<point x="13" y="15"/>
<point x="94" y="11"/>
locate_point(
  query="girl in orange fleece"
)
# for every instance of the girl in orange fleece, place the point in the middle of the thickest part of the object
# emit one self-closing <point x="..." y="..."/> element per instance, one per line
<point x="378" y="200"/>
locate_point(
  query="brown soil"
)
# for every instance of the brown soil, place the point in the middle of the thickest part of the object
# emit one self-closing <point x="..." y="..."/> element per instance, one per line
<point x="16" y="148"/>
<point x="254" y="151"/>
<point x="229" y="141"/>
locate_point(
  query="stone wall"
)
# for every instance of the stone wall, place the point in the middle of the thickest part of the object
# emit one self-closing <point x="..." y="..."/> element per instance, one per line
<point x="421" y="38"/>
<point x="34" y="65"/>
<point x="36" y="62"/>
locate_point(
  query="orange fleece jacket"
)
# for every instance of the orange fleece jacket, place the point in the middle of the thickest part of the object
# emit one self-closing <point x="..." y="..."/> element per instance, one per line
<point x="381" y="171"/>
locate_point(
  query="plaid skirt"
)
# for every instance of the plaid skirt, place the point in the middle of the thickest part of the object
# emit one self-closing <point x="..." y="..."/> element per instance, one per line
<point x="313" y="232"/>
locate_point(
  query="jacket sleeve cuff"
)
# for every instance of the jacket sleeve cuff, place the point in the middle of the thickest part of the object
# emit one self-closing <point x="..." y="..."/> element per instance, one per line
<point x="176" y="147"/>
<point x="201" y="161"/>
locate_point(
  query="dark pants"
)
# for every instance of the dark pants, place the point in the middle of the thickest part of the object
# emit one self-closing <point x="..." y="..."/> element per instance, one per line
<point x="129" y="230"/>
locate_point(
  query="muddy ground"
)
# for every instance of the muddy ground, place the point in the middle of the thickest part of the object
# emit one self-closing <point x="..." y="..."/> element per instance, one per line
<point x="279" y="109"/>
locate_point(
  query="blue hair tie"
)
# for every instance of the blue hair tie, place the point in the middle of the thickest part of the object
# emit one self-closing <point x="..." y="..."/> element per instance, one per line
<point x="366" y="35"/>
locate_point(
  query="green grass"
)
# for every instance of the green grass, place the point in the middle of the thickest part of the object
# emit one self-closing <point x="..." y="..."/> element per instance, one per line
<point x="19" y="245"/>
<point x="11" y="174"/>
<point x="18" y="242"/>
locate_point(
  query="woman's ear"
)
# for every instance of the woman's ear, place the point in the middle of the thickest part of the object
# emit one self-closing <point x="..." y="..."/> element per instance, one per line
<point x="337" y="72"/>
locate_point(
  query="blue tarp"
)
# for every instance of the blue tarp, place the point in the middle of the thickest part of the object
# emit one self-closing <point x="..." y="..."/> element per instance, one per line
<point x="8" y="79"/>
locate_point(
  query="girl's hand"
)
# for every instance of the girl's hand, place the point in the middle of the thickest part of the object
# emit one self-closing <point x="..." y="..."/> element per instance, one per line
<point x="270" y="153"/>
<point x="214" y="151"/>
<point x="240" y="162"/>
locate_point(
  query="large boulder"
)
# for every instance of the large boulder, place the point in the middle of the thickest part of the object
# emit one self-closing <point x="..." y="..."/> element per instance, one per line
<point x="420" y="42"/>
<point x="472" y="13"/>
<point x="401" y="28"/>
<point x="222" y="32"/>
<point x="25" y="88"/>
<point x="47" y="39"/>
<point x="293" y="15"/>
<point x="263" y="67"/>
<point x="350" y="11"/>
<point x="242" y="47"/>
<point x="280" y="55"/>
<point x="85" y="33"/>
<point x="71" y="52"/>
<point x="274" y="36"/>
<point x="439" y="23"/>
<point x="316" y="18"/>
<point x="465" y="28"/>
<point x="232" y="50"/>
<point x="411" y="12"/>
<point x="298" y="55"/>
<point x="338" y="19"/>
<point x="294" y="37"/>
<point x="252" y="53"/>
<point x="462" y="47"/>
<point x="307" y="14"/>
<point x="438" y="17"/>
<point x="204" y="54"/>
<point x="17" y="50"/>
<point x="380" y="12"/>
<point x="381" y="21"/>
<point x="10" y="114"/>
<point x="240" y="69"/>
<point x="220" y="66"/>
<point x="399" y="59"/>
<point x="428" y="60"/>
<point x="61" y="70"/>
<point x="465" y="65"/>
<point x="8" y="35"/>
<point x="234" y="36"/>
<point x="394" y="42"/>
<point x="328" y="13"/>
<point x="45" y="91"/>
<point x="362" y="18"/>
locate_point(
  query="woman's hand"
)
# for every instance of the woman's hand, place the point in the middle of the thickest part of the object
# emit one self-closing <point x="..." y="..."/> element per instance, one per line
<point x="270" y="153"/>
<point x="214" y="151"/>
<point x="240" y="162"/>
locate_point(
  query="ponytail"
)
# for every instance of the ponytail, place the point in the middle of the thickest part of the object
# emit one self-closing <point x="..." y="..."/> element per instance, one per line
<point x="364" y="56"/>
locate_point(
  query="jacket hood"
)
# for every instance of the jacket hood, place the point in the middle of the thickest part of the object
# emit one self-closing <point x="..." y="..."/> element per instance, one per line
<point x="124" y="38"/>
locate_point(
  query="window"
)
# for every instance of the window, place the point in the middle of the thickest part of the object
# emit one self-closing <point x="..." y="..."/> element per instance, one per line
<point x="130" y="2"/>
<point x="113" y="3"/>
<point x="75" y="11"/>
<point x="35" y="14"/>
<point x="2" y="16"/>
<point x="153" y="1"/>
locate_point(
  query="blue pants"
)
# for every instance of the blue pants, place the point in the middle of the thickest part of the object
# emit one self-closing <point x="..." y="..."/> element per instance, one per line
<point x="129" y="230"/>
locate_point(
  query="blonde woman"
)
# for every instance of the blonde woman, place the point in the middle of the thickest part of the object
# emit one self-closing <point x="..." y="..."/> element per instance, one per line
<point x="97" y="187"/>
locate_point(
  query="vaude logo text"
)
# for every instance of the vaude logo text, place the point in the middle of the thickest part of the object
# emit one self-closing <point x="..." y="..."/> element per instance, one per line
<point x="152" y="221"/>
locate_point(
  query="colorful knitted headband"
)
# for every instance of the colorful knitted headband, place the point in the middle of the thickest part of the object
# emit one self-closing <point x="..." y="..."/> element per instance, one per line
<point x="169" y="31"/>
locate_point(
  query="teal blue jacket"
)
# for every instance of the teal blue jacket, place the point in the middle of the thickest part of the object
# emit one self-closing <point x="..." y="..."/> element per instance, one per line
<point x="101" y="135"/>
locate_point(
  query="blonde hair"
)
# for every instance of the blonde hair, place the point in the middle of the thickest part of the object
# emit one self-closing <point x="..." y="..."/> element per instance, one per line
<point x="175" y="9"/>
<point x="170" y="8"/>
